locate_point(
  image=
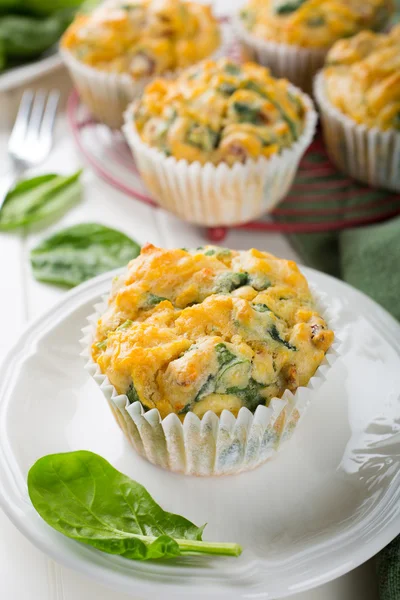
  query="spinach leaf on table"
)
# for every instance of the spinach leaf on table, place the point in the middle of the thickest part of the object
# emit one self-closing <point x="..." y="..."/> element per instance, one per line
<point x="49" y="7"/>
<point x="33" y="200"/>
<point x="80" y="252"/>
<point x="25" y="37"/>
<point x="39" y="7"/>
<point x="82" y="496"/>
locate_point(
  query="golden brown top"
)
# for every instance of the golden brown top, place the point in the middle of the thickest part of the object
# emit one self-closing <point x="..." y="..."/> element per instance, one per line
<point x="362" y="78"/>
<point x="208" y="329"/>
<point x="143" y="37"/>
<point x="220" y="112"/>
<point x="313" y="23"/>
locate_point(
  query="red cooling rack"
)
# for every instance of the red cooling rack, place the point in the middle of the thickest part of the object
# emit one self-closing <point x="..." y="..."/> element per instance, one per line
<point x="321" y="198"/>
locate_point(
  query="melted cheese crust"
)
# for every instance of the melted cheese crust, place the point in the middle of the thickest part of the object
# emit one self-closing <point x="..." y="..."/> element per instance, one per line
<point x="209" y="329"/>
<point x="313" y="23"/>
<point x="143" y="37"/>
<point x="220" y="112"/>
<point x="362" y="78"/>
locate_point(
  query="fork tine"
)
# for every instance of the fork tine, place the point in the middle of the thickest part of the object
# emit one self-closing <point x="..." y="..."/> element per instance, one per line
<point x="35" y="119"/>
<point x="50" y="112"/>
<point x="21" y="122"/>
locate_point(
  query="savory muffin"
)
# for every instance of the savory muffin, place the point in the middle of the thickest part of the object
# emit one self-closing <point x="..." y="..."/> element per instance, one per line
<point x="292" y="37"/>
<point x="313" y="23"/>
<point x="143" y="37"/>
<point x="220" y="112"/>
<point x="362" y="78"/>
<point x="358" y="93"/>
<point x="209" y="329"/>
<point x="114" y="51"/>
<point x="220" y="144"/>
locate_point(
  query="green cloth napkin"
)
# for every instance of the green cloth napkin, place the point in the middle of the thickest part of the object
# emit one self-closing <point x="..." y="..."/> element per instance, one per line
<point x="369" y="259"/>
<point x="388" y="571"/>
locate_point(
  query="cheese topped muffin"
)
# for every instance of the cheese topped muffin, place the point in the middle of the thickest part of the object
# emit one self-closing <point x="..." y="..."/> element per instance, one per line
<point x="313" y="23"/>
<point x="362" y="78"/>
<point x="220" y="112"/>
<point x="209" y="329"/>
<point x="143" y="37"/>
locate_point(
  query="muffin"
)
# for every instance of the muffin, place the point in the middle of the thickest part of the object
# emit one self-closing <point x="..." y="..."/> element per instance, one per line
<point x="189" y="334"/>
<point x="221" y="143"/>
<point x="292" y="37"/>
<point x="114" y="51"/>
<point x="358" y="92"/>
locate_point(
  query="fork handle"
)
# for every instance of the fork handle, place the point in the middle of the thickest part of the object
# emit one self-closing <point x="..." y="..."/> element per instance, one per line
<point x="7" y="182"/>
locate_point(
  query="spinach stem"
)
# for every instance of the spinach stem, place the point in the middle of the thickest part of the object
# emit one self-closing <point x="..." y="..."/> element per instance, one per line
<point x="224" y="549"/>
<point x="200" y="547"/>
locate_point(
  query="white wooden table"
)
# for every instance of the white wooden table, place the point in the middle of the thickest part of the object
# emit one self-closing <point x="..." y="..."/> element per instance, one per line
<point x="25" y="573"/>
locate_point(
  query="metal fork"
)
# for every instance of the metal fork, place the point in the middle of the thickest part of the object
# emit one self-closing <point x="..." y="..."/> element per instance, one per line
<point x="32" y="135"/>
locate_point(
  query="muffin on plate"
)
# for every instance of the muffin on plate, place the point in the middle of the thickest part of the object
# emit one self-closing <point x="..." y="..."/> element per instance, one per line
<point x="197" y="333"/>
<point x="292" y="37"/>
<point x="114" y="51"/>
<point x="221" y="143"/>
<point x="358" y="93"/>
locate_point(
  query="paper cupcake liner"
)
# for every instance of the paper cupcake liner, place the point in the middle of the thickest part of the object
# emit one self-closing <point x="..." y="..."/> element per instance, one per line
<point x="295" y="63"/>
<point x="211" y="445"/>
<point x="105" y="94"/>
<point x="215" y="195"/>
<point x="368" y="154"/>
<point x="108" y="94"/>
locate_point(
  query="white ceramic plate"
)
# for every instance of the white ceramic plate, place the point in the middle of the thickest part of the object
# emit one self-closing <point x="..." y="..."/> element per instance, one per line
<point x="326" y="503"/>
<point x="26" y="73"/>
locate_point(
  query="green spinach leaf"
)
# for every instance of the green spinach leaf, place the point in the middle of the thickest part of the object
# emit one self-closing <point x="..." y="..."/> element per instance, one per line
<point x="35" y="199"/>
<point x="203" y="137"/>
<point x="226" y="88"/>
<point x="224" y="355"/>
<point x="82" y="496"/>
<point x="229" y="365"/>
<point x="152" y="300"/>
<point x="132" y="394"/>
<point x="255" y="87"/>
<point x="250" y="395"/>
<point x="227" y="282"/>
<point x="125" y="325"/>
<point x="207" y="388"/>
<point x="260" y="307"/>
<point x="283" y="7"/>
<point x="274" y="333"/>
<point x="232" y="68"/>
<point x="80" y="252"/>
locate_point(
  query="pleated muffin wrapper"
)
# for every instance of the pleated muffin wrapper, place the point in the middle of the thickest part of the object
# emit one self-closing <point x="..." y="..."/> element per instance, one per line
<point x="108" y="94"/>
<point x="214" y="195"/>
<point x="212" y="445"/>
<point x="296" y="63"/>
<point x="370" y="155"/>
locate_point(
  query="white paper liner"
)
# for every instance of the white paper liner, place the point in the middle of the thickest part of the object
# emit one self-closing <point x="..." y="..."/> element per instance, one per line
<point x="108" y="94"/>
<point x="296" y="63"/>
<point x="211" y="445"/>
<point x="215" y="195"/>
<point x="370" y="155"/>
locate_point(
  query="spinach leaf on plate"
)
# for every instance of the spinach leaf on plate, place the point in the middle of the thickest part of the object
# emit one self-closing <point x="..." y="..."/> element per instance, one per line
<point x="81" y="495"/>
<point x="33" y="200"/>
<point x="80" y="252"/>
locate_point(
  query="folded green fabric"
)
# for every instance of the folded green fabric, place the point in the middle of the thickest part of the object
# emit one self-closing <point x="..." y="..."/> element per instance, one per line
<point x="369" y="259"/>
<point x="388" y="571"/>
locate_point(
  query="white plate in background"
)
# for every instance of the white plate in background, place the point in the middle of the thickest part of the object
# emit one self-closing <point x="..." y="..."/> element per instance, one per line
<point x="326" y="503"/>
<point x="26" y="73"/>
